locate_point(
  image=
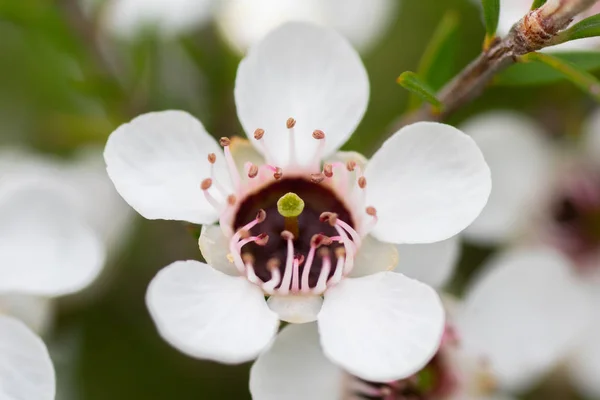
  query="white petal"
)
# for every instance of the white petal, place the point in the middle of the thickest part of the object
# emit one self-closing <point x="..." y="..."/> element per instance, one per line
<point x="381" y="327"/>
<point x="157" y="163"/>
<point x="520" y="158"/>
<point x="295" y="368"/>
<point x="591" y="137"/>
<point x="46" y="249"/>
<point x="431" y="263"/>
<point x="428" y="182"/>
<point x="244" y="22"/>
<point x="26" y="371"/>
<point x="214" y="246"/>
<point x="36" y="312"/>
<point x="306" y="72"/>
<point x="296" y="309"/>
<point x="584" y="365"/>
<point x="374" y="256"/>
<point x="523" y="314"/>
<point x="207" y="314"/>
<point x="126" y="18"/>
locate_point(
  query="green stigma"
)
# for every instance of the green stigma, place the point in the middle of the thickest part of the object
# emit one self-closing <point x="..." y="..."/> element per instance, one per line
<point x="290" y="205"/>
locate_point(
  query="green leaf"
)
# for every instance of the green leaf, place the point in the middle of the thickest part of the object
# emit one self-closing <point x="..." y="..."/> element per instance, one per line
<point x="491" y="14"/>
<point x="437" y="65"/>
<point x="411" y="82"/>
<point x="537" y="4"/>
<point x="538" y="73"/>
<point x="582" y="79"/>
<point x="589" y="27"/>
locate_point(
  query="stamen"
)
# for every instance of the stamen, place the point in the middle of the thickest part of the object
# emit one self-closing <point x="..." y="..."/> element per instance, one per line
<point x="328" y="217"/>
<point x="231" y="199"/>
<point x="362" y="182"/>
<point x="355" y="236"/>
<point x="321" y="285"/>
<point x="350" y="165"/>
<point x="252" y="171"/>
<point x="258" y="135"/>
<point x="248" y="260"/>
<point x="328" y="170"/>
<point x="315" y="242"/>
<point x="317" y="178"/>
<point x="278" y="173"/>
<point x="339" y="267"/>
<point x="373" y="213"/>
<point x="271" y="284"/>
<point x="290" y="124"/>
<point x="205" y="185"/>
<point x="320" y="136"/>
<point x="349" y="250"/>
<point x="241" y="234"/>
<point x="288" y="269"/>
<point x="296" y="276"/>
<point x="233" y="172"/>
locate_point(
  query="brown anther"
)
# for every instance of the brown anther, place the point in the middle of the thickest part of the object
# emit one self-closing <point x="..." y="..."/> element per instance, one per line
<point x="261" y="215"/>
<point x="253" y="171"/>
<point x="206" y="184"/>
<point x="362" y="182"/>
<point x="287" y="235"/>
<point x="244" y="234"/>
<point x="224" y="141"/>
<point x="259" y="133"/>
<point x="262" y="239"/>
<point x="273" y="263"/>
<point x="319" y="240"/>
<point x="300" y="259"/>
<point x="317" y="178"/>
<point x="278" y="173"/>
<point x="231" y="199"/>
<point x="212" y="158"/>
<point x="340" y="252"/>
<point x="247" y="258"/>
<point x="372" y="211"/>
<point x="328" y="170"/>
<point x="324" y="252"/>
<point x="318" y="134"/>
<point x="328" y="217"/>
<point x="290" y="123"/>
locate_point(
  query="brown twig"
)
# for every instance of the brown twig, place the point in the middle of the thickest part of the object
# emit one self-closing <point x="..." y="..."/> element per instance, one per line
<point x="533" y="32"/>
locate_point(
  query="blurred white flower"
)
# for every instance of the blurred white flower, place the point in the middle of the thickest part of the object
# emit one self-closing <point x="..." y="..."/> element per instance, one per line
<point x="26" y="371"/>
<point x="511" y="11"/>
<point x="363" y="22"/>
<point x="425" y="184"/>
<point x="547" y="202"/>
<point x="481" y="357"/>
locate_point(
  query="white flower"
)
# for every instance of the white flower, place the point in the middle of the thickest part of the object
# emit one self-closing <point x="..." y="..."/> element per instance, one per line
<point x="26" y="371"/>
<point x="546" y="203"/>
<point x="363" y="22"/>
<point x="425" y="184"/>
<point x="127" y="18"/>
<point x="496" y="341"/>
<point x="46" y="250"/>
<point x="511" y="11"/>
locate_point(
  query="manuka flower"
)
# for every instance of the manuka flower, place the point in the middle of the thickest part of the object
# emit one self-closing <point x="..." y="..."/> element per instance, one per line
<point x="545" y="205"/>
<point x="306" y="227"/>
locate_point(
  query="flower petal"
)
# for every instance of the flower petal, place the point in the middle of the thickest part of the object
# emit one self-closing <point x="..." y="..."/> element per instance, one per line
<point x="428" y="182"/>
<point x="36" y="312"/>
<point x="295" y="368"/>
<point x="157" y="162"/>
<point x="431" y="263"/>
<point x="46" y="249"/>
<point x="214" y="246"/>
<point x="296" y="309"/>
<point x="306" y="72"/>
<point x="523" y="314"/>
<point x="584" y="365"/>
<point x="26" y="371"/>
<point x="520" y="160"/>
<point x="374" y="256"/>
<point x="207" y="314"/>
<point x="381" y="327"/>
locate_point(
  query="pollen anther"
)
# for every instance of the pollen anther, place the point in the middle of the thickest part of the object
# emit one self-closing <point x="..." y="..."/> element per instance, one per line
<point x="206" y="184"/>
<point x="224" y="141"/>
<point x="212" y="158"/>
<point x="318" y="134"/>
<point x="259" y="133"/>
<point x="290" y="123"/>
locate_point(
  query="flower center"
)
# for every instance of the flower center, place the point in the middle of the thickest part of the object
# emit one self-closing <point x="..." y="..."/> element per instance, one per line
<point x="290" y="231"/>
<point x="575" y="227"/>
<point x="307" y="233"/>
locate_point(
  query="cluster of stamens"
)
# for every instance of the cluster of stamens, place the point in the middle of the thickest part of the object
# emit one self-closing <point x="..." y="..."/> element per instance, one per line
<point x="292" y="252"/>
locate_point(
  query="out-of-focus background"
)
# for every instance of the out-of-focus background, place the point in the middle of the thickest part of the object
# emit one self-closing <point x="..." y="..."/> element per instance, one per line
<point x="72" y="71"/>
